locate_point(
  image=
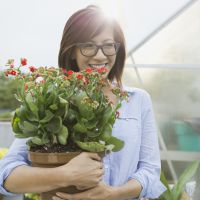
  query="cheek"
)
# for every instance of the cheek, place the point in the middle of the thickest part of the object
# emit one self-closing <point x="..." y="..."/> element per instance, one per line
<point x="81" y="61"/>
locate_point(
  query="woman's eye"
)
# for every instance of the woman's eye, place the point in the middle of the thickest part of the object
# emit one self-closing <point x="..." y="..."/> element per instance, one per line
<point x="109" y="45"/>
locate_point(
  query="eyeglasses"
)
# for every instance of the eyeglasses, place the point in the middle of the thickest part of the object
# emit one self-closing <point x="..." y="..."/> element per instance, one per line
<point x="90" y="49"/>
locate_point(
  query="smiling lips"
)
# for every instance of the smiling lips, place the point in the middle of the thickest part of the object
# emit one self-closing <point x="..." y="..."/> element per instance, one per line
<point x="98" y="65"/>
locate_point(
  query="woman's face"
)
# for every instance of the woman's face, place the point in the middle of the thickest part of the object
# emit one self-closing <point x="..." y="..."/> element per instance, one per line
<point x="100" y="59"/>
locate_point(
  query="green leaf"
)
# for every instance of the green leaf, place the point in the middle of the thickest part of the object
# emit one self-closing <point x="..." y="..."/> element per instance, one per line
<point x="54" y="125"/>
<point x="36" y="140"/>
<point x="79" y="128"/>
<point x="106" y="133"/>
<point x="15" y="125"/>
<point x="119" y="144"/>
<point x="25" y="114"/>
<point x="71" y="115"/>
<point x="28" y="130"/>
<point x="32" y="105"/>
<point x="45" y="136"/>
<point x="164" y="180"/>
<point x="90" y="124"/>
<point x="52" y="96"/>
<point x="28" y="127"/>
<point x="48" y="116"/>
<point x="85" y="110"/>
<point x="18" y="98"/>
<point x="21" y="112"/>
<point x="53" y="107"/>
<point x="106" y="115"/>
<point x="66" y="111"/>
<point x="93" y="133"/>
<point x="63" y="101"/>
<point x="185" y="177"/>
<point x="31" y="117"/>
<point x="63" y="135"/>
<point x="167" y="195"/>
<point x="91" y="146"/>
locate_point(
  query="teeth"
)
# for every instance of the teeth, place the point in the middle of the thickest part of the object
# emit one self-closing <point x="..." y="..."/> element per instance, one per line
<point x="98" y="66"/>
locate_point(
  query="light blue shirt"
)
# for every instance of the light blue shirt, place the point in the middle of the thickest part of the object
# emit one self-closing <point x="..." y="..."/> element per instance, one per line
<point x="139" y="159"/>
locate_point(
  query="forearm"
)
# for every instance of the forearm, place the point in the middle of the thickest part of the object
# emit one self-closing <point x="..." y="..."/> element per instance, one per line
<point x="129" y="190"/>
<point x="25" y="179"/>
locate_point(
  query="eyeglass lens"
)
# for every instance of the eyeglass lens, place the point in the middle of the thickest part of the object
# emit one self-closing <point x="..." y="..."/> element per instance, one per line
<point x="91" y="49"/>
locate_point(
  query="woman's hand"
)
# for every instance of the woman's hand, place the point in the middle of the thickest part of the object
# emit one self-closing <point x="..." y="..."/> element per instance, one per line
<point x="100" y="192"/>
<point x="84" y="171"/>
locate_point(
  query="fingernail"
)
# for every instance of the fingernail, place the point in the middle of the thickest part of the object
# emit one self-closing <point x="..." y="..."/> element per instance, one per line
<point x="58" y="194"/>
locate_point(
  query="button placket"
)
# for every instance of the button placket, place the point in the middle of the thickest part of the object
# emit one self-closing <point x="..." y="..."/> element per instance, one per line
<point x="106" y="162"/>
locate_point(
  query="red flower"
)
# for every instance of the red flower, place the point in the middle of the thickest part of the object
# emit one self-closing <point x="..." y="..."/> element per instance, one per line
<point x="102" y="70"/>
<point x="23" y="61"/>
<point x="79" y="76"/>
<point x="89" y="70"/>
<point x="70" y="72"/>
<point x="64" y="71"/>
<point x="32" y="68"/>
<point x="12" y="72"/>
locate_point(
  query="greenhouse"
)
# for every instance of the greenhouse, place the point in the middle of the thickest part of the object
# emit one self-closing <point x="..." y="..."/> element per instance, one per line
<point x="161" y="73"/>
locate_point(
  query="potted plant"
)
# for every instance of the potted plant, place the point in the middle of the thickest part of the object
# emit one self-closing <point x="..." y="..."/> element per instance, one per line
<point x="177" y="191"/>
<point x="64" y="113"/>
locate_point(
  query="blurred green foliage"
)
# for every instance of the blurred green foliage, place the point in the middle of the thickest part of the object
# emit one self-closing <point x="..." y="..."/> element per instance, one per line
<point x="8" y="87"/>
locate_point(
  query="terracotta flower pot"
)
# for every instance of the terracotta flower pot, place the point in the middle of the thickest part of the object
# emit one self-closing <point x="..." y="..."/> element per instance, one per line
<point x="49" y="160"/>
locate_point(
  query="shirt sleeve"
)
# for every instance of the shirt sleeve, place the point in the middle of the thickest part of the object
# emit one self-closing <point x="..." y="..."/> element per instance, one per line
<point x="17" y="155"/>
<point x="149" y="167"/>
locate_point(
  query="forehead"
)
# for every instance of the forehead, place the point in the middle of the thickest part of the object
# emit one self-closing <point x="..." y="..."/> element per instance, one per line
<point x="107" y="34"/>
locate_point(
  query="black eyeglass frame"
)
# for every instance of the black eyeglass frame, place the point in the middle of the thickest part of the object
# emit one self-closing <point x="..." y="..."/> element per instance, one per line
<point x="81" y="45"/>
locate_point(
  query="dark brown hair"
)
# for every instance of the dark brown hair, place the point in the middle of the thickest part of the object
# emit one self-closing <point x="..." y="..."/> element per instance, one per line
<point x="81" y="27"/>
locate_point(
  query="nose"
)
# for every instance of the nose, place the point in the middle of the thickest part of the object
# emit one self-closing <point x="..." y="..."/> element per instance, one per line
<point x="100" y="54"/>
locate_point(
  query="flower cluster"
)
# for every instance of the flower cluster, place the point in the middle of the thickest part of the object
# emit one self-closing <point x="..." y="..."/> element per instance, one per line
<point x="64" y="108"/>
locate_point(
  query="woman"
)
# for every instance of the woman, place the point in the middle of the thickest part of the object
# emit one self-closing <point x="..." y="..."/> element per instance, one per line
<point x="91" y="40"/>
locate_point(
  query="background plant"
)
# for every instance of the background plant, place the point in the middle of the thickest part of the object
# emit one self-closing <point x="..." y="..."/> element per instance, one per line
<point x="8" y="87"/>
<point x="176" y="191"/>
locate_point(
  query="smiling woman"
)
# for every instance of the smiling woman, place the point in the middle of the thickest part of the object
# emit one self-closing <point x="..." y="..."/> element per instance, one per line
<point x="91" y="26"/>
<point x="92" y="40"/>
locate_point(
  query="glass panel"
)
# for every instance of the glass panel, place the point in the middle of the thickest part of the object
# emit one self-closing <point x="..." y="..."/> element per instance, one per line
<point x="176" y="98"/>
<point x="178" y="42"/>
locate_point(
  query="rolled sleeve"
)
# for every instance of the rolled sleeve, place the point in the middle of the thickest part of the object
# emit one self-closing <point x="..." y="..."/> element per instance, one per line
<point x="16" y="156"/>
<point x="148" y="170"/>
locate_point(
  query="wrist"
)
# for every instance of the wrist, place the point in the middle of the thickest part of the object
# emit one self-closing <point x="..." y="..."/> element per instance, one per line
<point x="117" y="193"/>
<point x="63" y="177"/>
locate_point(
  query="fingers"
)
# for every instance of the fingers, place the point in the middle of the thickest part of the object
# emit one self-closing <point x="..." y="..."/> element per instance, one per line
<point x="82" y="187"/>
<point x="56" y="198"/>
<point x="93" y="156"/>
<point x="98" y="165"/>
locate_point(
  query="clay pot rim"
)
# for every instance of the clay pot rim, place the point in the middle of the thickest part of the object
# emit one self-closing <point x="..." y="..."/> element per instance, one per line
<point x="55" y="153"/>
